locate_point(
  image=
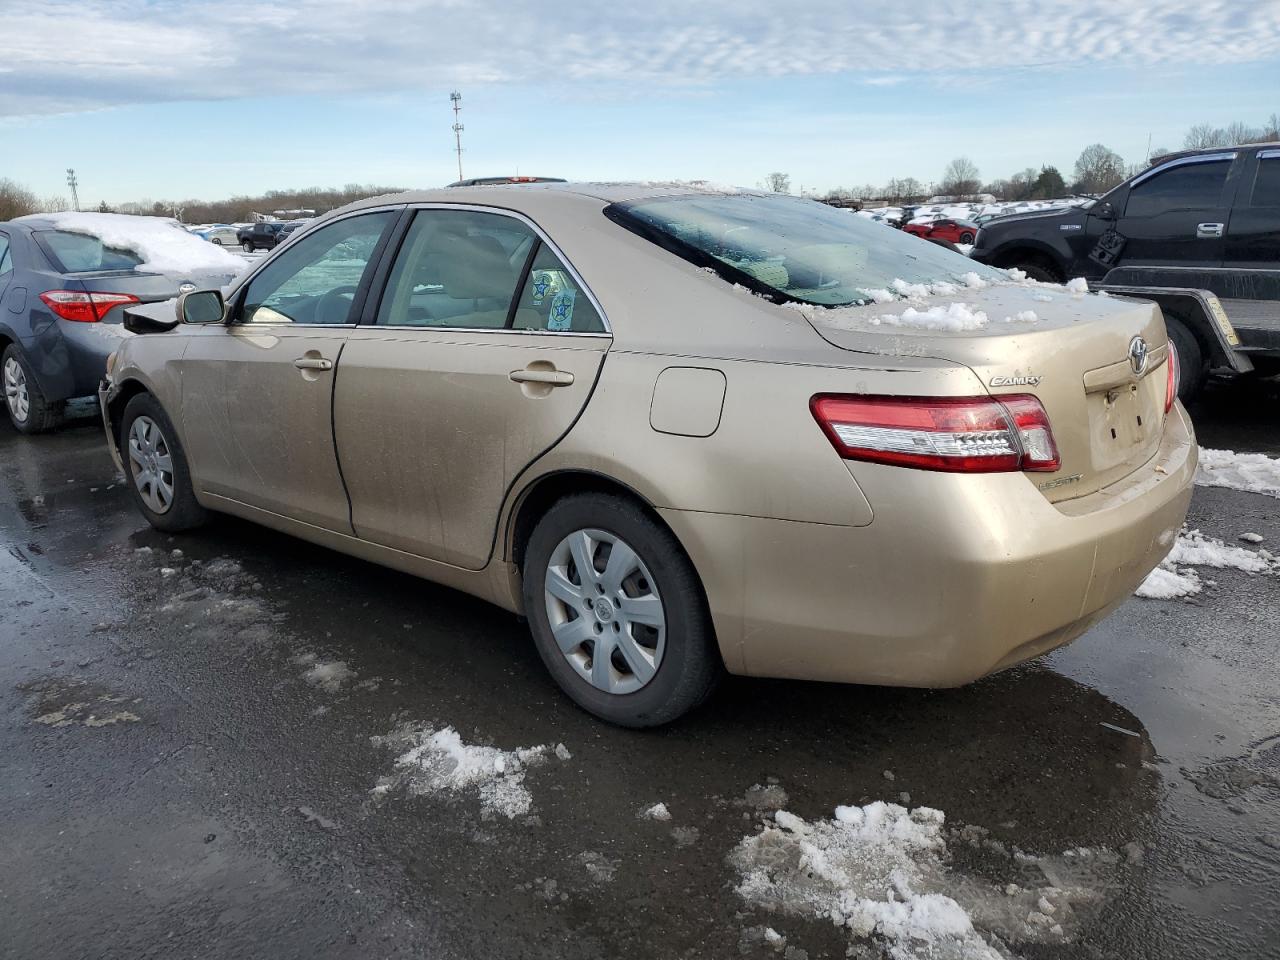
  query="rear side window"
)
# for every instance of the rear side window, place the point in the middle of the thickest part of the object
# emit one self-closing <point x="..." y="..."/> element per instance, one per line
<point x="1188" y="187"/>
<point x="1266" y="184"/>
<point x="6" y="261"/>
<point x="552" y="300"/>
<point x="80" y="253"/>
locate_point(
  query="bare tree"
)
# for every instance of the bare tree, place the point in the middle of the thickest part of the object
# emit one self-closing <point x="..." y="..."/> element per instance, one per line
<point x="16" y="200"/>
<point x="1272" y="131"/>
<point x="1238" y="132"/>
<point x="961" y="177"/>
<point x="778" y="182"/>
<point x="1204" y="135"/>
<point x="1098" y="169"/>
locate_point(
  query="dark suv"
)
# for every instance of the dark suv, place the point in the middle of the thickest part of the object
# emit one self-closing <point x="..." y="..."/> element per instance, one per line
<point x="258" y="236"/>
<point x="1198" y="231"/>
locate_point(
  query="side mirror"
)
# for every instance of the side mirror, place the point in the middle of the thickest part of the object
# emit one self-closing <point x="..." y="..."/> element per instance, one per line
<point x="1104" y="210"/>
<point x="201" y="306"/>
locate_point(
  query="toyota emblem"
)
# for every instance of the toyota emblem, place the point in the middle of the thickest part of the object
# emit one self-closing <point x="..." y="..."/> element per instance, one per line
<point x="1138" y="351"/>
<point x="186" y="287"/>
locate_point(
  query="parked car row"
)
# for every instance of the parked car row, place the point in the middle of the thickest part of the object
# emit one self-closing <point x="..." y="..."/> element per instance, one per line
<point x="810" y="481"/>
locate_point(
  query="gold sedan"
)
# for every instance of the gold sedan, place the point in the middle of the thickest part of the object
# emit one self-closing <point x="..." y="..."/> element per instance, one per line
<point x="683" y="430"/>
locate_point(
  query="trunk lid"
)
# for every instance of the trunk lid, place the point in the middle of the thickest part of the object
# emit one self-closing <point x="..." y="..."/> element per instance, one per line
<point x="150" y="286"/>
<point x="1107" y="417"/>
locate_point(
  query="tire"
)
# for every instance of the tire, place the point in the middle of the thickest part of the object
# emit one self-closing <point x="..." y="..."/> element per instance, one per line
<point x="966" y="238"/>
<point x="1193" y="369"/>
<point x="683" y="651"/>
<point x="944" y="243"/>
<point x="1038" y="271"/>
<point x="28" y="410"/>
<point x="179" y="510"/>
<point x="247" y="246"/>
<point x="216" y="241"/>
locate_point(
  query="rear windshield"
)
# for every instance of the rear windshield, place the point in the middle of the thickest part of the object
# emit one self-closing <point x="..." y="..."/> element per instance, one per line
<point x="79" y="253"/>
<point x="792" y="249"/>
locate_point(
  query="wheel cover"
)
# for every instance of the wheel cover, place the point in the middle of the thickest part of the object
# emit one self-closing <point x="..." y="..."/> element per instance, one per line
<point x="151" y="463"/>
<point x="16" y="394"/>
<point x="605" y="612"/>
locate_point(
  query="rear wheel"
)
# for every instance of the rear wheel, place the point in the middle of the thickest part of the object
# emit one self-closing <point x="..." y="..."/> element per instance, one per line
<point x="1036" y="270"/>
<point x="156" y="466"/>
<point x="1192" y="367"/>
<point x="28" y="410"/>
<point x="217" y="241"/>
<point x="617" y="612"/>
<point x="966" y="238"/>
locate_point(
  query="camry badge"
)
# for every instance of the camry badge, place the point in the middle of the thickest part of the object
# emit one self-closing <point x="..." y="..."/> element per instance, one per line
<point x="1016" y="381"/>
<point x="1138" y="352"/>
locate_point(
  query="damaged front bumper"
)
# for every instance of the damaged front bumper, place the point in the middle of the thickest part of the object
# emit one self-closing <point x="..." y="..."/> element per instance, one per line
<point x="107" y="393"/>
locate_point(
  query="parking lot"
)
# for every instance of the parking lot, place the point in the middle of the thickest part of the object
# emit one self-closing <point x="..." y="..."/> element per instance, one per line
<point x="234" y="743"/>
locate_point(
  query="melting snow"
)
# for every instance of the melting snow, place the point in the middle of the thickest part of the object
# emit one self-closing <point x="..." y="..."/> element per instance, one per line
<point x="658" y="811"/>
<point x="1250" y="472"/>
<point x="879" y="872"/>
<point x="1170" y="581"/>
<point x="954" y="316"/>
<point x="329" y="677"/>
<point x="437" y="761"/>
<point x="162" y="244"/>
<point x="1078" y="285"/>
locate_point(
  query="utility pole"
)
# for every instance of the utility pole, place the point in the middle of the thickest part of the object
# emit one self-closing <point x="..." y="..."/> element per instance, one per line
<point x="456" y="98"/>
<point x="72" y="182"/>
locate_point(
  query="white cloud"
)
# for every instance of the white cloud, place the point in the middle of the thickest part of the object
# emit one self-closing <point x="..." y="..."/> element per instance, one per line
<point x="85" y="54"/>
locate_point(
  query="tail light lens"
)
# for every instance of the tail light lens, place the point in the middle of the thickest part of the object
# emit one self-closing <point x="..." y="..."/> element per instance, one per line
<point x="84" y="307"/>
<point x="954" y="434"/>
<point x="1173" y="376"/>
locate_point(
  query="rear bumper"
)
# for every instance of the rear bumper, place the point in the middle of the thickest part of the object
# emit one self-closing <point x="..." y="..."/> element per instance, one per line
<point x="957" y="576"/>
<point x="88" y="345"/>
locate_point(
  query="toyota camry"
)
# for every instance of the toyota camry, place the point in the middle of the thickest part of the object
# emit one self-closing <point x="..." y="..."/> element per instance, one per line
<point x="683" y="430"/>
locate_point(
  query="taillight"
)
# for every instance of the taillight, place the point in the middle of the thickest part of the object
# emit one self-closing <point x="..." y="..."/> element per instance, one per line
<point x="1172" y="377"/>
<point x="84" y="307"/>
<point x="956" y="434"/>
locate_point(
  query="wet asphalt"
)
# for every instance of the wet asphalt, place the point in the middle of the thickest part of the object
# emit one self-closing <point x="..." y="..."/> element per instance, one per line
<point x="171" y="785"/>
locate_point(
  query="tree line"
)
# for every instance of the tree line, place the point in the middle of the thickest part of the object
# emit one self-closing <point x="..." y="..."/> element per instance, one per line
<point x="1096" y="170"/>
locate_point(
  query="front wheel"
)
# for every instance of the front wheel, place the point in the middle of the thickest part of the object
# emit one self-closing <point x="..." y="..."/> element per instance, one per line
<point x="156" y="467"/>
<point x="966" y="238"/>
<point x="617" y="612"/>
<point x="247" y="246"/>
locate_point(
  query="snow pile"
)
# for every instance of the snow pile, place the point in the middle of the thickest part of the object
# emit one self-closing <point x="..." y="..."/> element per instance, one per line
<point x="1078" y="285"/>
<point x="658" y="811"/>
<point x="954" y="317"/>
<point x="163" y="245"/>
<point x="1022" y="316"/>
<point x="1193" y="549"/>
<point x="437" y="761"/>
<point x="880" y="873"/>
<point x="1250" y="472"/>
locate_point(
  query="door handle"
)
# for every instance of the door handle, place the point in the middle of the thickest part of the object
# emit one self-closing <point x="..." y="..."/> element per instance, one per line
<point x="1208" y="231"/>
<point x="313" y="363"/>
<point x="552" y="378"/>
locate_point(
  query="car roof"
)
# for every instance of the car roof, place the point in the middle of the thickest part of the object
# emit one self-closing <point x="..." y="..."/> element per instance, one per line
<point x="1179" y="154"/>
<point x="509" y="194"/>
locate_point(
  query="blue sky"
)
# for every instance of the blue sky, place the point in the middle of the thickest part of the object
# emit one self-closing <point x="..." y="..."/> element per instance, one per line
<point x="170" y="99"/>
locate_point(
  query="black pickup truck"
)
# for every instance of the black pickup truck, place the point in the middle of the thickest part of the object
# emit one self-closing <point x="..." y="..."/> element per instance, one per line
<point x="1198" y="232"/>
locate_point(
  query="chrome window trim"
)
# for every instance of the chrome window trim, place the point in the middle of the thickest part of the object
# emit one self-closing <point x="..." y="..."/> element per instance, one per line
<point x="541" y="235"/>
<point x="1181" y="162"/>
<point x="1269" y="154"/>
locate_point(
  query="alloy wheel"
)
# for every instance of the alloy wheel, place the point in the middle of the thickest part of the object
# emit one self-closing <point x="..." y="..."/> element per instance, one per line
<point x="152" y="464"/>
<point x="605" y="612"/>
<point x="16" y="394"/>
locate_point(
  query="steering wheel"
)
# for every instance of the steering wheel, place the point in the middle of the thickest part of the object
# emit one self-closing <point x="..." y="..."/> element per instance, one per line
<point x="332" y="308"/>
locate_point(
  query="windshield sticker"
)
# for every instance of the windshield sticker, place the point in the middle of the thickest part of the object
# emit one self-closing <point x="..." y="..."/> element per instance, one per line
<point x="541" y="281"/>
<point x="561" y="317"/>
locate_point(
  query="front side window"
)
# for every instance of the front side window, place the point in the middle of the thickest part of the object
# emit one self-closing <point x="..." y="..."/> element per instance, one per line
<point x="792" y="249"/>
<point x="315" y="279"/>
<point x="1266" y="184"/>
<point x="1191" y="186"/>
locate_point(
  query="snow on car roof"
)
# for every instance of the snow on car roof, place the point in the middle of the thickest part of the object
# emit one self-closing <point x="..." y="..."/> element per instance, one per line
<point x="163" y="245"/>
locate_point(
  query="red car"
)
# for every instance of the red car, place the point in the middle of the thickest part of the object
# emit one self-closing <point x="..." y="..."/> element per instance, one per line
<point x="954" y="231"/>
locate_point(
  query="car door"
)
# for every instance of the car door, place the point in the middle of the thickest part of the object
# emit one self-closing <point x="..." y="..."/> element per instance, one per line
<point x="1176" y="214"/>
<point x="1253" y="235"/>
<point x="480" y="355"/>
<point x="257" y="392"/>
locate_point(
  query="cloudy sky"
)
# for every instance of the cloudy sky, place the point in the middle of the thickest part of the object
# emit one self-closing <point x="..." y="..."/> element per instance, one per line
<point x="169" y="99"/>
